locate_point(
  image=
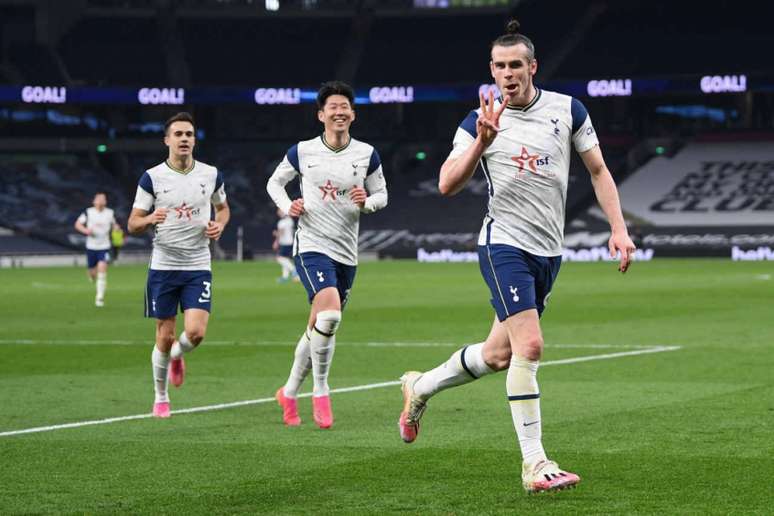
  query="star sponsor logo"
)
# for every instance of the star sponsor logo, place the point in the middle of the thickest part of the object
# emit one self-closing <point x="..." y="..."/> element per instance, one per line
<point x="186" y="212"/>
<point x="528" y="161"/>
<point x="331" y="191"/>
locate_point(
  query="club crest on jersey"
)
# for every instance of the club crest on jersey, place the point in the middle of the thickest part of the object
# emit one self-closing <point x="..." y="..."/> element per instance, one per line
<point x="529" y="161"/>
<point x="186" y="212"/>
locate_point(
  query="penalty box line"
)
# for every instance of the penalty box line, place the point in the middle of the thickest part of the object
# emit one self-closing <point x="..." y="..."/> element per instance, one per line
<point x="356" y="388"/>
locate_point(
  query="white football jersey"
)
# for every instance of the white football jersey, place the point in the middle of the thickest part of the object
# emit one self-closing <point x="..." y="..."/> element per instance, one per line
<point x="285" y="230"/>
<point x="527" y="168"/>
<point x="180" y="242"/>
<point x="330" y="221"/>
<point x="100" y="223"/>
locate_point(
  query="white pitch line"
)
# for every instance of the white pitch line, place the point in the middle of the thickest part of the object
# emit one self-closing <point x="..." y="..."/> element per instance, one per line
<point x="270" y="343"/>
<point x="221" y="406"/>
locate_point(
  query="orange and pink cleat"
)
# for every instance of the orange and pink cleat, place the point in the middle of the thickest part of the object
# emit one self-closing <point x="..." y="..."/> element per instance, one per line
<point x="546" y="476"/>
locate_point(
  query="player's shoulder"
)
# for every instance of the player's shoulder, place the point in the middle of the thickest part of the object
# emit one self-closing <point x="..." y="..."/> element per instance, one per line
<point x="359" y="146"/>
<point x="207" y="170"/>
<point x="205" y="166"/>
<point x="573" y="106"/>
<point x="310" y="145"/>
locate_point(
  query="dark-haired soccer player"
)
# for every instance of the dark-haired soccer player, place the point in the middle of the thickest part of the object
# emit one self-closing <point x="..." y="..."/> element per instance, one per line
<point x="340" y="178"/>
<point x="181" y="190"/>
<point x="523" y="142"/>
<point x="96" y="223"/>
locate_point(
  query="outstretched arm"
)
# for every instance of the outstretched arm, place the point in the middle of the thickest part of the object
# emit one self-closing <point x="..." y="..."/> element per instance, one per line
<point x="607" y="196"/>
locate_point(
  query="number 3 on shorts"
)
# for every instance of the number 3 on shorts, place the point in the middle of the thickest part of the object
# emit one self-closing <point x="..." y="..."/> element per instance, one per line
<point x="204" y="297"/>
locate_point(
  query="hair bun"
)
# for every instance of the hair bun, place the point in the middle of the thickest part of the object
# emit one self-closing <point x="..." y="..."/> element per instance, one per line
<point x="513" y="26"/>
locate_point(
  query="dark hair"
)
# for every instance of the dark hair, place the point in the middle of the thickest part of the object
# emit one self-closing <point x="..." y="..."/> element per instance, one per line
<point x="512" y="37"/>
<point x="180" y="117"/>
<point x="335" y="88"/>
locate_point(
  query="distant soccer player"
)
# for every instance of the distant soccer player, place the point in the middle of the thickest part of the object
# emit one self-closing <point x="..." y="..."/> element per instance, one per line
<point x="523" y="142"/>
<point x="96" y="223"/>
<point x="340" y="178"/>
<point x="181" y="190"/>
<point x="283" y="246"/>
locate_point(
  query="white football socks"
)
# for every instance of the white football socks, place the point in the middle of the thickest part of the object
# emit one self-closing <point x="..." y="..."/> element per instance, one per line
<point x="322" y="346"/>
<point x="302" y="364"/>
<point x="524" y="399"/>
<point x="160" y="364"/>
<point x="180" y="346"/>
<point x="101" y="285"/>
<point x="288" y="268"/>
<point x="464" y="366"/>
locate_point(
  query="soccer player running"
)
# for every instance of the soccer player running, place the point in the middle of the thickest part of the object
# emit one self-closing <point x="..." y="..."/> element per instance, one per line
<point x="522" y="142"/>
<point x="283" y="246"/>
<point x="340" y="178"/>
<point x="181" y="191"/>
<point x="96" y="223"/>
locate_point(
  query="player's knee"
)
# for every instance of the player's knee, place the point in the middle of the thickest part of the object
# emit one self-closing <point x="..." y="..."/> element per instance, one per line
<point x="165" y="340"/>
<point x="532" y="348"/>
<point x="195" y="335"/>
<point x="328" y="322"/>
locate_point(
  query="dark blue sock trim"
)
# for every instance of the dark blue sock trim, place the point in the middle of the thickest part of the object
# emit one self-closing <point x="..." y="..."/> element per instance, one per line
<point x="465" y="365"/>
<point x="524" y="397"/>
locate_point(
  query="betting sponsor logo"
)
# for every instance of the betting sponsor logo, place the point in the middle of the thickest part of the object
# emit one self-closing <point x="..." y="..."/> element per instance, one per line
<point x="157" y="96"/>
<point x="723" y="83"/>
<point x="752" y="255"/>
<point x="445" y="255"/>
<point x="44" y="95"/>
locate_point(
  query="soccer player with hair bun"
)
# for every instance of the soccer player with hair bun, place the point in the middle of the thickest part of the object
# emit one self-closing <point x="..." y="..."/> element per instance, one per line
<point x="522" y="140"/>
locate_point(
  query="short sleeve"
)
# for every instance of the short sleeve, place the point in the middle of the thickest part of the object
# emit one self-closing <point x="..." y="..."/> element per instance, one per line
<point x="82" y="218"/>
<point x="144" y="198"/>
<point x="465" y="135"/>
<point x="583" y="135"/>
<point x="374" y="164"/>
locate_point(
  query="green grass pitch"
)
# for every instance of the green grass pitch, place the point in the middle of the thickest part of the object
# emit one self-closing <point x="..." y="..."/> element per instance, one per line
<point x="689" y="431"/>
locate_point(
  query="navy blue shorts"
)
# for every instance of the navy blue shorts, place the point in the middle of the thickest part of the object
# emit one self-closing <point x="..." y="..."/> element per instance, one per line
<point x="286" y="251"/>
<point x="94" y="257"/>
<point x="318" y="271"/>
<point x="518" y="280"/>
<point x="168" y="290"/>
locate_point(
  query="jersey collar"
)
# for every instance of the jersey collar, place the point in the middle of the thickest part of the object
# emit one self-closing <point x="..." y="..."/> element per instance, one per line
<point x="173" y="169"/>
<point x="538" y="93"/>
<point x="334" y="149"/>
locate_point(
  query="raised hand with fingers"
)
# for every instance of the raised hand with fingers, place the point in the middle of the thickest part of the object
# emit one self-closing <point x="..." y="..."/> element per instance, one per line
<point x="488" y="123"/>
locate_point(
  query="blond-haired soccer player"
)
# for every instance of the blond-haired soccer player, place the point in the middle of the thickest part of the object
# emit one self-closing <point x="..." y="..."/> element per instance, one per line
<point x="96" y="223"/>
<point x="181" y="192"/>
<point x="341" y="178"/>
<point x="523" y="141"/>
